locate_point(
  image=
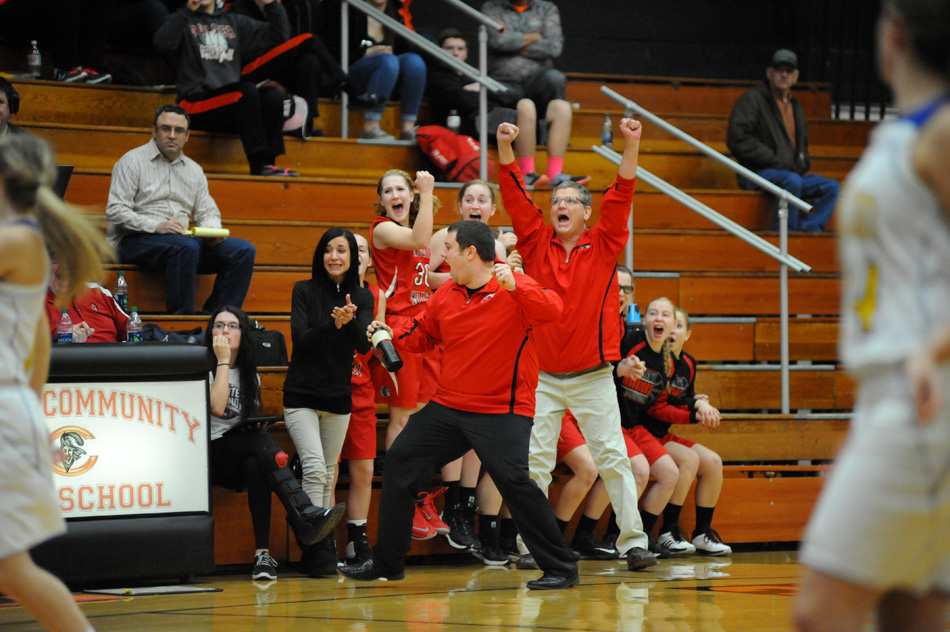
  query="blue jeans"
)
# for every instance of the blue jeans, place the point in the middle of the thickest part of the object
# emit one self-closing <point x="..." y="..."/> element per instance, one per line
<point x="180" y="258"/>
<point x="383" y="74"/>
<point x="822" y="191"/>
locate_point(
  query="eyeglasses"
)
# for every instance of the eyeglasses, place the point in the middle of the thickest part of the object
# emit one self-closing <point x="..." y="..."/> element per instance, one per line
<point x="220" y="326"/>
<point x="570" y="199"/>
<point x="167" y="129"/>
<point x="626" y="289"/>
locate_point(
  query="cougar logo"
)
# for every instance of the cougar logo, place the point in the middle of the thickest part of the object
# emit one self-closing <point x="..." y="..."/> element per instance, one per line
<point x="76" y="459"/>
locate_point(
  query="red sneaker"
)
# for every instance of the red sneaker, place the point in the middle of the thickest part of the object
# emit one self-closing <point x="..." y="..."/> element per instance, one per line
<point x="421" y="529"/>
<point x="427" y="504"/>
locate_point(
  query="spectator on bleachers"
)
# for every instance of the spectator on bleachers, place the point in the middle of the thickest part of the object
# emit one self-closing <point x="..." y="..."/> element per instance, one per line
<point x="329" y="315"/>
<point x="95" y="314"/>
<point x="681" y="404"/>
<point x="380" y="64"/>
<point x="134" y="22"/>
<point x="302" y="65"/>
<point x="449" y="90"/>
<point x="210" y="48"/>
<point x="243" y="455"/>
<point x="9" y="104"/>
<point x="522" y="56"/>
<point x="768" y="134"/>
<point x="72" y="31"/>
<point x="156" y="190"/>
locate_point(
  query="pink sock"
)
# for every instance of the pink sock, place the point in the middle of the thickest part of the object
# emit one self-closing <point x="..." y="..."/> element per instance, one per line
<point x="526" y="164"/>
<point x="555" y="166"/>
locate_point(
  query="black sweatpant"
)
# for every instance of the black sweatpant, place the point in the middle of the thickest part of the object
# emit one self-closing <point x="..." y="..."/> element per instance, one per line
<point x="437" y="435"/>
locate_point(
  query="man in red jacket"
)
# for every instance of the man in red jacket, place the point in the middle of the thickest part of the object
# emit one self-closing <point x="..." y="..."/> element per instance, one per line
<point x="483" y="319"/>
<point x="575" y="353"/>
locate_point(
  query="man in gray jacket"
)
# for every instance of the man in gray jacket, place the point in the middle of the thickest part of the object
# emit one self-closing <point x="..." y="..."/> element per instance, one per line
<point x="768" y="134"/>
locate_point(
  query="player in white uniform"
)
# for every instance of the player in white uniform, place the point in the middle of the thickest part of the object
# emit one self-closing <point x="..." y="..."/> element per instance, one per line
<point x="30" y="213"/>
<point x="879" y="539"/>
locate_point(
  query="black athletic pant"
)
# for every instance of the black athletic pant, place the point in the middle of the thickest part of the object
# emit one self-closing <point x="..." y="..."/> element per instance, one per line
<point x="437" y="435"/>
<point x="256" y="115"/>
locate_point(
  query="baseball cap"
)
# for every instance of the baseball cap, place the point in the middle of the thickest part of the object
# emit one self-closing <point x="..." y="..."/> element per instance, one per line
<point x="784" y="56"/>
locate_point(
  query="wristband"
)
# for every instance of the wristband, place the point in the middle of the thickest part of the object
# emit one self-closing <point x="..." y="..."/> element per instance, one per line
<point x="224" y="364"/>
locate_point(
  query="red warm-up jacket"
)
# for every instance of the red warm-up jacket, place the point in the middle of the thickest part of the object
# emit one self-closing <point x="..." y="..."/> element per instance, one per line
<point x="587" y="334"/>
<point x="489" y="363"/>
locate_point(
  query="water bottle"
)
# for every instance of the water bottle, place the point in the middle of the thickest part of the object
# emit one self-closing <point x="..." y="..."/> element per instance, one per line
<point x="607" y="132"/>
<point x="64" y="330"/>
<point x="633" y="313"/>
<point x="454" y="122"/>
<point x="34" y="61"/>
<point x="121" y="292"/>
<point x="385" y="351"/>
<point x="133" y="329"/>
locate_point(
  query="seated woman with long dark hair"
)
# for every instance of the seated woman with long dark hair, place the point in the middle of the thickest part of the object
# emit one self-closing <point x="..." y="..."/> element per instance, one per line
<point x="243" y="455"/>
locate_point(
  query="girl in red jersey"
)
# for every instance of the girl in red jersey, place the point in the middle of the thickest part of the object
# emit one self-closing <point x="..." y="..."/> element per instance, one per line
<point x="692" y="459"/>
<point x="359" y="447"/>
<point x="399" y="244"/>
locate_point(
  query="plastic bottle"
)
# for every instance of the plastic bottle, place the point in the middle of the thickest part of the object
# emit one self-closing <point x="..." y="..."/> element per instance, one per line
<point x="121" y="292"/>
<point x="454" y="121"/>
<point x="133" y="329"/>
<point x="633" y="313"/>
<point x="607" y="132"/>
<point x="64" y="330"/>
<point x="34" y="61"/>
<point x="385" y="351"/>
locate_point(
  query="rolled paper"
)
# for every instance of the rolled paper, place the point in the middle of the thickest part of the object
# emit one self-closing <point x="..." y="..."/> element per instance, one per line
<point x="209" y="233"/>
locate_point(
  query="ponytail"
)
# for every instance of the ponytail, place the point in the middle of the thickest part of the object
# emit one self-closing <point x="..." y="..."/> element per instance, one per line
<point x="28" y="169"/>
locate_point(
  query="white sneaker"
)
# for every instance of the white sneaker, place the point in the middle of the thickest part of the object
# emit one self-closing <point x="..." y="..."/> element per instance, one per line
<point x="676" y="543"/>
<point x="711" y="544"/>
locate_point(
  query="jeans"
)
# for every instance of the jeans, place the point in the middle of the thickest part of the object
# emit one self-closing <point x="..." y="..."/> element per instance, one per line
<point x="319" y="437"/>
<point x="822" y="191"/>
<point x="180" y="258"/>
<point x="384" y="73"/>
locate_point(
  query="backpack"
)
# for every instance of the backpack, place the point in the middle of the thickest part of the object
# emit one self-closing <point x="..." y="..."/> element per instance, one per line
<point x="270" y="346"/>
<point x="454" y="155"/>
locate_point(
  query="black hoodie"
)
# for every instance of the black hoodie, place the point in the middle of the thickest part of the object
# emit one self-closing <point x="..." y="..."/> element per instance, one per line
<point x="322" y="359"/>
<point x="210" y="49"/>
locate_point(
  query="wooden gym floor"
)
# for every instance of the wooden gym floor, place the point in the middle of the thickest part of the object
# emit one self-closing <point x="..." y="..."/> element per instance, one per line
<point x="747" y="591"/>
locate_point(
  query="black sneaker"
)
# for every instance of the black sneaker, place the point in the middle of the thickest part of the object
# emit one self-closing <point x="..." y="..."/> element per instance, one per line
<point x="314" y="523"/>
<point x="659" y="550"/>
<point x="265" y="567"/>
<point x="320" y="559"/>
<point x="461" y="534"/>
<point x="588" y="549"/>
<point x="510" y="547"/>
<point x="639" y="559"/>
<point x="490" y="550"/>
<point x="368" y="571"/>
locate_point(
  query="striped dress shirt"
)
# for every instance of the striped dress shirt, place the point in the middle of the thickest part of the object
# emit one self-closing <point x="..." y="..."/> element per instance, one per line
<point x="147" y="190"/>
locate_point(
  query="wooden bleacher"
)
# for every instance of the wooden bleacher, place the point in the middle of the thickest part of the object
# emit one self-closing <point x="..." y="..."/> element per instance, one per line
<point x="728" y="287"/>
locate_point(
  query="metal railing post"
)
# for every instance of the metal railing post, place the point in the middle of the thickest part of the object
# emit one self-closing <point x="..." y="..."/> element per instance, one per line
<point x="783" y="303"/>
<point x="345" y="65"/>
<point x="483" y="103"/>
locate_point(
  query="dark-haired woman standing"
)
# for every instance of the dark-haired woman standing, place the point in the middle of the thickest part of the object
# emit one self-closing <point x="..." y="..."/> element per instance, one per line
<point x="328" y="319"/>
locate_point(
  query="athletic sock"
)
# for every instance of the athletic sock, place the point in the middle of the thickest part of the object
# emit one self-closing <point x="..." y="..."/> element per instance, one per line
<point x="562" y="525"/>
<point x="487" y="524"/>
<point x="526" y="164"/>
<point x="586" y="525"/>
<point x="555" y="166"/>
<point x="671" y="517"/>
<point x="649" y="521"/>
<point x="704" y="516"/>
<point x="452" y="489"/>
<point x="467" y="496"/>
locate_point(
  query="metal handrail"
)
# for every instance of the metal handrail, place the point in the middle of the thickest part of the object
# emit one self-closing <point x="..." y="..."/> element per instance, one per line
<point x="480" y="76"/>
<point x="759" y="181"/>
<point x="724" y="222"/>
<point x="785" y="198"/>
